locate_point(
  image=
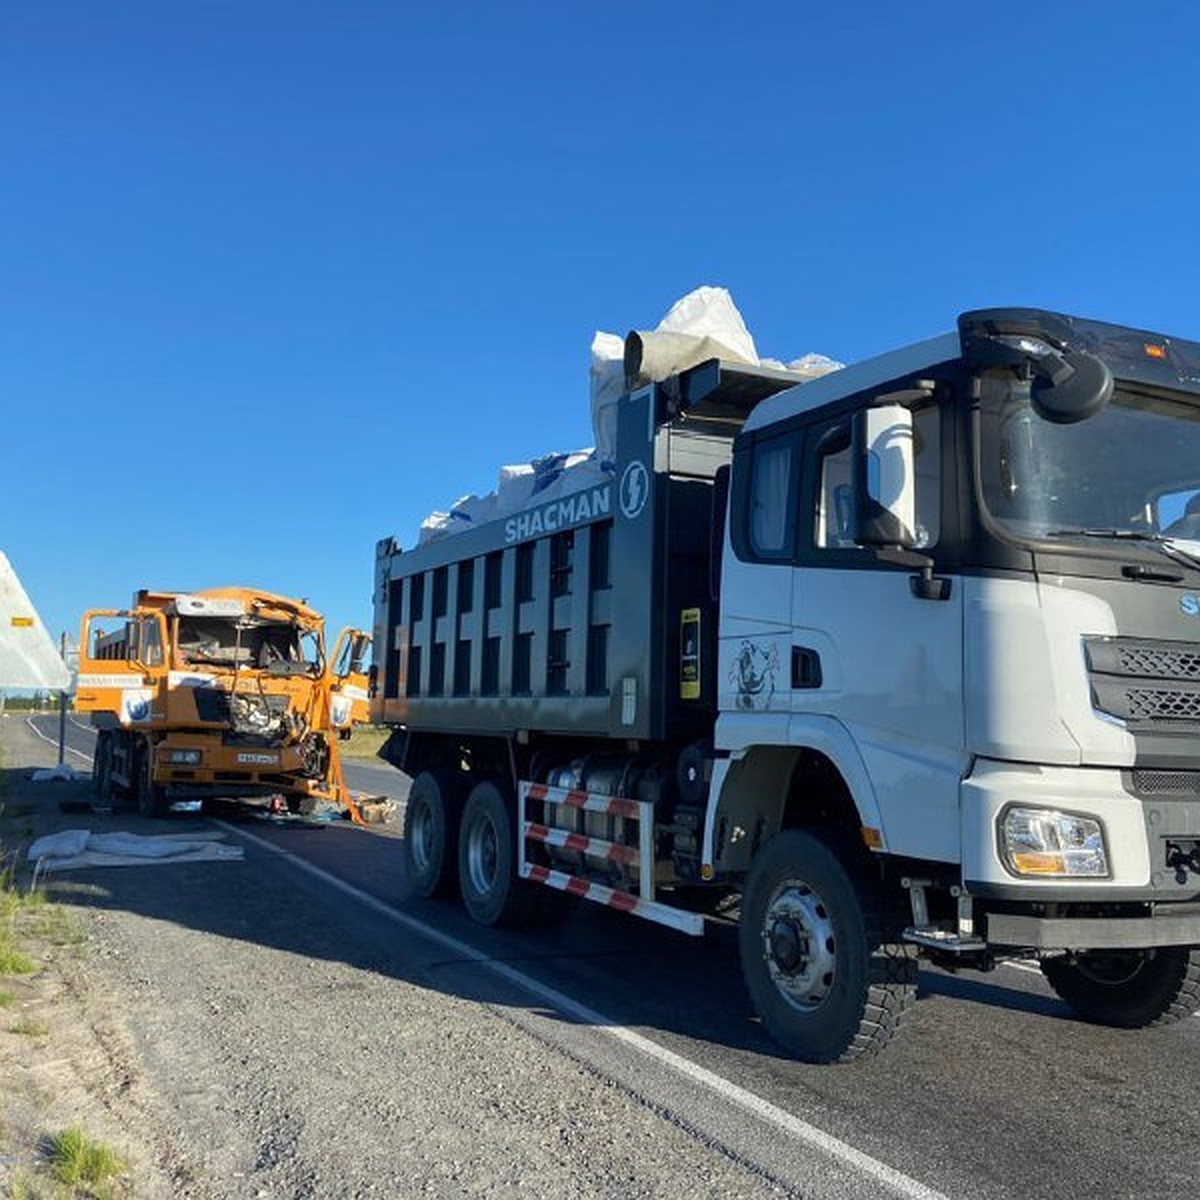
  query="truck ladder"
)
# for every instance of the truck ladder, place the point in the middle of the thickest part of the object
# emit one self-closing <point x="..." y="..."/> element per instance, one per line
<point x="640" y="904"/>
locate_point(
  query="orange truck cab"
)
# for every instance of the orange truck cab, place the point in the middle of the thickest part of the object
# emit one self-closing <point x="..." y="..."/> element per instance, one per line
<point x="220" y="693"/>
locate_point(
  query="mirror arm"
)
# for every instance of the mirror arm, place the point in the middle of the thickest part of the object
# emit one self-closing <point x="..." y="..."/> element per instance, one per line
<point x="926" y="585"/>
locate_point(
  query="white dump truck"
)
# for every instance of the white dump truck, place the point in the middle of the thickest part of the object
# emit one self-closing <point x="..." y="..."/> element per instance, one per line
<point x="908" y="656"/>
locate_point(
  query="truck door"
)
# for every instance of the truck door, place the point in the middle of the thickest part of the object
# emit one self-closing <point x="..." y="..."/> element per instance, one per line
<point x="869" y="652"/>
<point x="121" y="659"/>
<point x="349" y="690"/>
<point x="756" y="585"/>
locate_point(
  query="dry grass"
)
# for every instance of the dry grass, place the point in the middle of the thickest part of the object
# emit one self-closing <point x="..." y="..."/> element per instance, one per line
<point x="29" y="1027"/>
<point x="364" y="741"/>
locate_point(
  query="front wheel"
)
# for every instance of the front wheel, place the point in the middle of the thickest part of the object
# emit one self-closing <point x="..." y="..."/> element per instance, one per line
<point x="820" y="951"/>
<point x="151" y="797"/>
<point x="102" y="766"/>
<point x="1129" y="989"/>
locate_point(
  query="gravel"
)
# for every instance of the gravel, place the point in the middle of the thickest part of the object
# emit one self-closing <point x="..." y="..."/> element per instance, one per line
<point x="242" y="1033"/>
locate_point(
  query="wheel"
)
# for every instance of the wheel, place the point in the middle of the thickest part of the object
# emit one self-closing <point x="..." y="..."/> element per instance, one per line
<point x="487" y="860"/>
<point x="151" y="797"/>
<point x="1129" y="988"/>
<point x="431" y="832"/>
<point x="820" y="950"/>
<point x="102" y="770"/>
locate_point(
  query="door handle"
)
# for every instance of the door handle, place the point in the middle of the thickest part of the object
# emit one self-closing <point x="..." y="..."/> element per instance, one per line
<point x="806" y="668"/>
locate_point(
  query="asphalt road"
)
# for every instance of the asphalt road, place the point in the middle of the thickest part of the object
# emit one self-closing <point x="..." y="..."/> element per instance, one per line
<point x="993" y="1090"/>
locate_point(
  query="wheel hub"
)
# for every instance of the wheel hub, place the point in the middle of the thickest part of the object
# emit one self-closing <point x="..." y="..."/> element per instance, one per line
<point x="799" y="946"/>
<point x="422" y="838"/>
<point x="482" y="857"/>
<point x="788" y="944"/>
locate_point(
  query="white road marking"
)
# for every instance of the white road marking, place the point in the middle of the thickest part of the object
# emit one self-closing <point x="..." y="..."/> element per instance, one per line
<point x="858" y="1160"/>
<point x="80" y="725"/>
<point x="54" y="741"/>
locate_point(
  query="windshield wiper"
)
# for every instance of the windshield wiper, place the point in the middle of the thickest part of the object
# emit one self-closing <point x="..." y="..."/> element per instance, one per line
<point x="1165" y="544"/>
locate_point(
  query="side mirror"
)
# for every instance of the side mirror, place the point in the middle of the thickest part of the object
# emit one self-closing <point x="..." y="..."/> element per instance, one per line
<point x="1065" y="385"/>
<point x="373" y="681"/>
<point x="1070" y="386"/>
<point x="883" y="477"/>
<point x="358" y="654"/>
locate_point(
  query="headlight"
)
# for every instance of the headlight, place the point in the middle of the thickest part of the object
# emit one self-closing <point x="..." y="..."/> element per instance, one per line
<point x="1042" y="841"/>
<point x="184" y="758"/>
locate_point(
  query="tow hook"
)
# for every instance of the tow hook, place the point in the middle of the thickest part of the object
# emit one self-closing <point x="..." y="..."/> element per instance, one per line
<point x="1182" y="860"/>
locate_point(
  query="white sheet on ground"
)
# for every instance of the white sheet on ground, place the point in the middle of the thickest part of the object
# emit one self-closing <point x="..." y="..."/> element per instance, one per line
<point x="62" y="771"/>
<point x="72" y="848"/>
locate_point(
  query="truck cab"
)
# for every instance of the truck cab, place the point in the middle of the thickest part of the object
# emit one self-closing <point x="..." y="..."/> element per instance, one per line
<point x="959" y="620"/>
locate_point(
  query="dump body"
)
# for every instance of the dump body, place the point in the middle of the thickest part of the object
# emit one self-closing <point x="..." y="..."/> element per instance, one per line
<point x="567" y="618"/>
<point x="225" y="692"/>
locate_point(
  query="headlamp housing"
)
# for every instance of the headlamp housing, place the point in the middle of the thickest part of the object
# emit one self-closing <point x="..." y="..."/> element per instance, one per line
<point x="1048" y="843"/>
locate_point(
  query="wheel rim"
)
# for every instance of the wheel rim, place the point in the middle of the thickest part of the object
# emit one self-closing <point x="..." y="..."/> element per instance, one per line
<point x="799" y="946"/>
<point x="421" y="836"/>
<point x="483" y="855"/>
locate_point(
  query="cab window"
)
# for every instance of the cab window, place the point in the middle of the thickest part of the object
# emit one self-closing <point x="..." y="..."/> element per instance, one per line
<point x="771" y="502"/>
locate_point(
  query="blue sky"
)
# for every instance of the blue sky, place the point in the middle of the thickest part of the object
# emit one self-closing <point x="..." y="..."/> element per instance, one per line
<point x="277" y="279"/>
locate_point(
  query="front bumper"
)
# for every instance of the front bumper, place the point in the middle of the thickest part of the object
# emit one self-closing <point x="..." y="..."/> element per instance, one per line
<point x="1177" y="926"/>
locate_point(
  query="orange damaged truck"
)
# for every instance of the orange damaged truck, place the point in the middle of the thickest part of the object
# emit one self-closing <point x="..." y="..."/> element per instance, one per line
<point x="220" y="693"/>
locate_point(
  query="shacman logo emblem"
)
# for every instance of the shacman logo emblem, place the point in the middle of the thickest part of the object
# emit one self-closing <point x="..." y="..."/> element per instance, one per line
<point x="635" y="488"/>
<point x="1189" y="604"/>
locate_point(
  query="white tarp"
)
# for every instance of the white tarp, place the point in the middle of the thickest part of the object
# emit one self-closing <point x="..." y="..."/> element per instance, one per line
<point x="28" y="656"/>
<point x="703" y="324"/>
<point x="75" y="848"/>
<point x="64" y="772"/>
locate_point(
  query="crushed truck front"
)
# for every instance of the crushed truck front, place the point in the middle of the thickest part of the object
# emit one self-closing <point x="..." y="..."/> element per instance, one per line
<point x="225" y="692"/>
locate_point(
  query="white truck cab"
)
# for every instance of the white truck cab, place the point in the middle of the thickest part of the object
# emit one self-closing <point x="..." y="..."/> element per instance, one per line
<point x="960" y="627"/>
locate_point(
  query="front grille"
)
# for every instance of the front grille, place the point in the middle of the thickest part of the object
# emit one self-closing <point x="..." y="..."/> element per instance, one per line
<point x="1166" y="783"/>
<point x="1151" y="663"/>
<point x="215" y="705"/>
<point x="212" y="704"/>
<point x="1145" y="683"/>
<point x="1154" y="704"/>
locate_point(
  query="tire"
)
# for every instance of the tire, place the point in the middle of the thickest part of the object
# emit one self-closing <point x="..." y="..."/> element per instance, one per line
<point x="431" y="818"/>
<point x="151" y="798"/>
<point x="1129" y="989"/>
<point x="487" y="860"/>
<point x="820" y="950"/>
<point x="102" y="770"/>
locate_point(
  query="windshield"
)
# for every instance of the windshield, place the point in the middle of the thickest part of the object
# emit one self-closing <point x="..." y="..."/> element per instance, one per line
<point x="1133" y="470"/>
<point x="275" y="646"/>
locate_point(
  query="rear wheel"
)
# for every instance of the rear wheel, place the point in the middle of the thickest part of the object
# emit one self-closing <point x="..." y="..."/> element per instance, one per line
<point x="431" y="817"/>
<point x="1129" y="988"/>
<point x="151" y="797"/>
<point x="487" y="861"/>
<point x="820" y="951"/>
